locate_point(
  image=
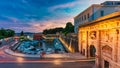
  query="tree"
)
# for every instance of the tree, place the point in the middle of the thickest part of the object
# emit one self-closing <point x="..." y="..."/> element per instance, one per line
<point x="22" y="33"/>
<point x="52" y="31"/>
<point x="10" y="33"/>
<point x="4" y="33"/>
<point x="69" y="28"/>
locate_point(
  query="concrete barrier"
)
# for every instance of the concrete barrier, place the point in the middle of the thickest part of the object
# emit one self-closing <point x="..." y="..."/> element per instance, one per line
<point x="10" y="52"/>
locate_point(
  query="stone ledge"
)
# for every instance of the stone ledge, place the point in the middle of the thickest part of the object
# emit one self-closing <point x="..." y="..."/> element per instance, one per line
<point x="66" y="56"/>
<point x="10" y="52"/>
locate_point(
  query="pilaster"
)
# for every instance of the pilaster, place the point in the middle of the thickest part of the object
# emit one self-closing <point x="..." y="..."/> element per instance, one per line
<point x="80" y="41"/>
<point x="98" y="50"/>
<point x="115" y="46"/>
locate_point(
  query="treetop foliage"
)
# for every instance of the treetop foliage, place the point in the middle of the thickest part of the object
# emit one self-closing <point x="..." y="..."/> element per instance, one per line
<point x="69" y="28"/>
<point x="4" y="33"/>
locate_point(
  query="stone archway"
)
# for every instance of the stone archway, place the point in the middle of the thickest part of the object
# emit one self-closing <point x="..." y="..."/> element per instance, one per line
<point x="106" y="64"/>
<point x="107" y="49"/>
<point x="92" y="51"/>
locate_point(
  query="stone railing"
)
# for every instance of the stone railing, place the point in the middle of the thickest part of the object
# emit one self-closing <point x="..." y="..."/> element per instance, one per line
<point x="71" y="42"/>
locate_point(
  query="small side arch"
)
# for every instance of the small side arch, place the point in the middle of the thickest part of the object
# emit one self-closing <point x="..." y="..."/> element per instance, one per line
<point x="107" y="49"/>
<point x="92" y="51"/>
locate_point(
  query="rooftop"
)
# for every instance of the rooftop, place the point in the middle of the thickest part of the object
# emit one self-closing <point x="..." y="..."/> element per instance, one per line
<point x="106" y="3"/>
<point x="106" y="17"/>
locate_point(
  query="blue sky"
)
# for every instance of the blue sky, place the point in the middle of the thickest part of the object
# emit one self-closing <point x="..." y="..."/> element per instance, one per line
<point x="37" y="15"/>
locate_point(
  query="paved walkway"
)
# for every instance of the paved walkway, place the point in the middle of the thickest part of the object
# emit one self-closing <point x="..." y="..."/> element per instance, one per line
<point x="48" y="56"/>
<point x="10" y="52"/>
<point x="66" y="55"/>
<point x="76" y="56"/>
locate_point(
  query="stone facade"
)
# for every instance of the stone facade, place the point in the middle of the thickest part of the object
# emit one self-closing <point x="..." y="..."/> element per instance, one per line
<point x="100" y="39"/>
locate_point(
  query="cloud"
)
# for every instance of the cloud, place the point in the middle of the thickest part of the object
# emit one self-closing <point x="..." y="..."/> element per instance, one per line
<point x="36" y="26"/>
<point x="13" y="19"/>
<point x="42" y="25"/>
<point x="9" y="19"/>
<point x="37" y="15"/>
<point x="67" y="5"/>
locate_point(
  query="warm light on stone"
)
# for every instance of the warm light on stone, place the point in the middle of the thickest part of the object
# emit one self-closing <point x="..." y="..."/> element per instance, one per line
<point x="100" y="39"/>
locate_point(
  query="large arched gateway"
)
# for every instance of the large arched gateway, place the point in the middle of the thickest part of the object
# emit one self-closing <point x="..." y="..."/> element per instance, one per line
<point x="92" y="51"/>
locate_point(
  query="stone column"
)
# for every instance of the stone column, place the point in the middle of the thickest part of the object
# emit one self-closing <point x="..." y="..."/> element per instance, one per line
<point x="88" y="47"/>
<point x="98" y="50"/>
<point x="119" y="47"/>
<point x="86" y="51"/>
<point x="115" y="45"/>
<point x="79" y="41"/>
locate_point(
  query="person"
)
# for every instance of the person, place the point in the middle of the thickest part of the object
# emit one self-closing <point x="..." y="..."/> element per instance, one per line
<point x="42" y="53"/>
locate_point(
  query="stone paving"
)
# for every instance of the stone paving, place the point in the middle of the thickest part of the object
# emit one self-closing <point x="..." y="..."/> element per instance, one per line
<point x="66" y="55"/>
<point x="7" y="54"/>
<point x="62" y="55"/>
<point x="12" y="57"/>
<point x="10" y="52"/>
<point x="75" y="56"/>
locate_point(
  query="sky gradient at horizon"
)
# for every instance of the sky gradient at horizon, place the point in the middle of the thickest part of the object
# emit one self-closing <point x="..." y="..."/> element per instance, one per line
<point x="37" y="15"/>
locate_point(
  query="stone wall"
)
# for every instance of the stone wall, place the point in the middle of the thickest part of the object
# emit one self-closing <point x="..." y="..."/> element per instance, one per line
<point x="71" y="42"/>
<point x="102" y="40"/>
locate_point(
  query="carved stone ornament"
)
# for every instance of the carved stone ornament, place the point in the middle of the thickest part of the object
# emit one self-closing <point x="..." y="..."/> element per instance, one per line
<point x="93" y="35"/>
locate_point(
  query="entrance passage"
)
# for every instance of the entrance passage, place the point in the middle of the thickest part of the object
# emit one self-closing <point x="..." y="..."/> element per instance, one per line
<point x="92" y="51"/>
<point x="106" y="64"/>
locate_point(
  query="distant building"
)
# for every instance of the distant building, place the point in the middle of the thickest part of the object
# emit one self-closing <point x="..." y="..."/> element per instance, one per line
<point x="37" y="36"/>
<point x="16" y="38"/>
<point x="95" y="11"/>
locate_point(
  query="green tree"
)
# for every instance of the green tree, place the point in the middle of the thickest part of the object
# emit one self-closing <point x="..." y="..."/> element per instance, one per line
<point x="22" y="33"/>
<point x="69" y="28"/>
<point x="52" y="31"/>
<point x="10" y="33"/>
<point x="4" y="33"/>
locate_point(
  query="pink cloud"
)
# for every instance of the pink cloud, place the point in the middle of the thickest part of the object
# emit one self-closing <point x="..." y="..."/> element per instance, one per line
<point x="42" y="25"/>
<point x="67" y="5"/>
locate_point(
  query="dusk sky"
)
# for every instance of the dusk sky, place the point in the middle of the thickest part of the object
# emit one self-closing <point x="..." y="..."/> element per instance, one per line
<point x="37" y="15"/>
